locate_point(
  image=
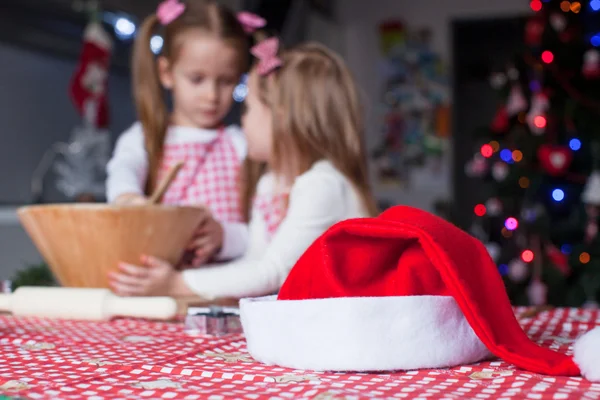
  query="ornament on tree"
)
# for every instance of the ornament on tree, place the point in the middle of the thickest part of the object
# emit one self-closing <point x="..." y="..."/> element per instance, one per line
<point x="494" y="207"/>
<point x="500" y="171"/>
<point x="568" y="34"/>
<point x="536" y="117"/>
<point x="534" y="30"/>
<point x="497" y="80"/>
<point x="500" y="123"/>
<point x="537" y="293"/>
<point x="555" y="160"/>
<point x="532" y="212"/>
<point x="591" y="230"/>
<point x="591" y="64"/>
<point x="513" y="74"/>
<point x="591" y="192"/>
<point x="593" y="211"/>
<point x="516" y="101"/>
<point x="521" y="240"/>
<point x="88" y="87"/>
<point x="558" y="258"/>
<point x="518" y="271"/>
<point x="558" y="22"/>
<point x="477" y="167"/>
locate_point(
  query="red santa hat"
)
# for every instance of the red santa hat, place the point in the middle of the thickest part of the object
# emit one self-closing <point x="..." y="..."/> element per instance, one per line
<point x="403" y="291"/>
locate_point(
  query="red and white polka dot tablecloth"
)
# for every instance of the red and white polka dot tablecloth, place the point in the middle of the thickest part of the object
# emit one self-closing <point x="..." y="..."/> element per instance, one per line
<point x="132" y="359"/>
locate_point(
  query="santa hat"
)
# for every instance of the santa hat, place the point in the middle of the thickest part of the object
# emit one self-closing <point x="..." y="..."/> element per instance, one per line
<point x="403" y="291"/>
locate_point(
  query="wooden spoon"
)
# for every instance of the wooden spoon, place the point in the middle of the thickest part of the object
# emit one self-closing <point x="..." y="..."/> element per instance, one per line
<point x="164" y="185"/>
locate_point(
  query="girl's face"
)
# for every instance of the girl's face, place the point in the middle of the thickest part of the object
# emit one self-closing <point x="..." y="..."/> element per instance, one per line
<point x="257" y="123"/>
<point x="201" y="79"/>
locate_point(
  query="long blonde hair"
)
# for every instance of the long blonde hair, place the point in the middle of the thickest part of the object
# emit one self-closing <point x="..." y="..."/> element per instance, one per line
<point x="316" y="115"/>
<point x="204" y="15"/>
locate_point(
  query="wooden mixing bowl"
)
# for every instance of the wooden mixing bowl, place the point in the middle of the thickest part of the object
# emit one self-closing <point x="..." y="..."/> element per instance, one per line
<point x="83" y="242"/>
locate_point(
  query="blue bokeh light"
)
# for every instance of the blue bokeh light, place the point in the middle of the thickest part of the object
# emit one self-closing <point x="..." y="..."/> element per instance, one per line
<point x="566" y="249"/>
<point x="506" y="155"/>
<point x="575" y="144"/>
<point x="558" y="195"/>
<point x="503" y="269"/>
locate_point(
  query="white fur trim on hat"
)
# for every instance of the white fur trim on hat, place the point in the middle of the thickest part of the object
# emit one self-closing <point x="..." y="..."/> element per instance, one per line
<point x="586" y="354"/>
<point x="360" y="333"/>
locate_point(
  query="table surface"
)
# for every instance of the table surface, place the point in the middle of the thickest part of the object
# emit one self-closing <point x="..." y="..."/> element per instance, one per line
<point x="135" y="359"/>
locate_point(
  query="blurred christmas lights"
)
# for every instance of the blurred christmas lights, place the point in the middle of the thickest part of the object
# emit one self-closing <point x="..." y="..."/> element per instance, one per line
<point x="511" y="223"/>
<point x="527" y="256"/>
<point x="536" y="5"/>
<point x="506" y="233"/>
<point x="480" y="210"/>
<point x="558" y="195"/>
<point x="547" y="57"/>
<point x="584" y="258"/>
<point x="503" y="269"/>
<point x="540" y="121"/>
<point x="506" y="155"/>
<point x="487" y="151"/>
<point x="517" y="155"/>
<point x="575" y="144"/>
<point x="595" y="5"/>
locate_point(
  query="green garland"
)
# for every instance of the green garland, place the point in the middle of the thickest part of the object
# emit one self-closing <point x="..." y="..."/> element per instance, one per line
<point x="34" y="275"/>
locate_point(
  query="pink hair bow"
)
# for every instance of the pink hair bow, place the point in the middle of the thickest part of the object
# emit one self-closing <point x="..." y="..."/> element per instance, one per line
<point x="169" y="10"/>
<point x="266" y="52"/>
<point x="250" y="22"/>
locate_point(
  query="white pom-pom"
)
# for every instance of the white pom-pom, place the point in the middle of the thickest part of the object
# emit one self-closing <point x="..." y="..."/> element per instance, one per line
<point x="586" y="354"/>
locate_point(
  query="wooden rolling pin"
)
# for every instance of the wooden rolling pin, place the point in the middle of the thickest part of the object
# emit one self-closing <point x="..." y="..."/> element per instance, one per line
<point x="84" y="304"/>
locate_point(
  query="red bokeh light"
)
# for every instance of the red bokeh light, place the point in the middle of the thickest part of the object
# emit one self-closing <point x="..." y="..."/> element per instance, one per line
<point x="527" y="256"/>
<point x="480" y="210"/>
<point x="547" y="57"/>
<point x="536" y="5"/>
<point x="487" y="150"/>
<point x="540" y="121"/>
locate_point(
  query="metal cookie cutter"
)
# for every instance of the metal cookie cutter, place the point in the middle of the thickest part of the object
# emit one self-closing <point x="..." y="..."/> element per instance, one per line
<point x="214" y="321"/>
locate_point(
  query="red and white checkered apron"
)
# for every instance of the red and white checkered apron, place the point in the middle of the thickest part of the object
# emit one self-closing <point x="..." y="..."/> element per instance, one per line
<point x="273" y="208"/>
<point x="209" y="176"/>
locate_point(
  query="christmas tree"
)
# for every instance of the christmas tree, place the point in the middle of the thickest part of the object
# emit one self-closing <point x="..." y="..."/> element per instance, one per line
<point x="538" y="163"/>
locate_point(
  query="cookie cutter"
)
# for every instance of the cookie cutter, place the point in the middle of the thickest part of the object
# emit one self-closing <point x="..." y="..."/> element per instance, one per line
<point x="213" y="321"/>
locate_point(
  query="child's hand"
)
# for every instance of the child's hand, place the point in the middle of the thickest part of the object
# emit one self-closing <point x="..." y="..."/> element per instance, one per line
<point x="207" y="241"/>
<point x="155" y="278"/>
<point x="131" y="199"/>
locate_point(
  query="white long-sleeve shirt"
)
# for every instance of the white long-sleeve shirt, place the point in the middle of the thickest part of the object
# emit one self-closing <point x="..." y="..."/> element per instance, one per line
<point x="319" y="198"/>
